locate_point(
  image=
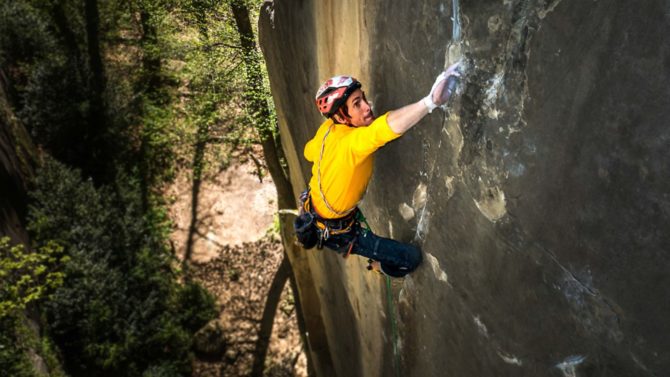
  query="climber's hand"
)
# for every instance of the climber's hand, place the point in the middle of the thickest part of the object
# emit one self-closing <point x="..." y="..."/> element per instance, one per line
<point x="453" y="69"/>
<point x="438" y="95"/>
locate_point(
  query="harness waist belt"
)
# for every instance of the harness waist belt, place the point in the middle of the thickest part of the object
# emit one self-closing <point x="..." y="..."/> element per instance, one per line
<point x="336" y="224"/>
<point x="339" y="224"/>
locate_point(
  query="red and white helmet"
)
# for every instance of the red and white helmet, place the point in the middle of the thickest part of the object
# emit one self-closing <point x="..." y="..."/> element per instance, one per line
<point x="334" y="93"/>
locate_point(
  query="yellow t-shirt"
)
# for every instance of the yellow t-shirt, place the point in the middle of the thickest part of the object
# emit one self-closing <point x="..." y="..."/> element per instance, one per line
<point x="346" y="167"/>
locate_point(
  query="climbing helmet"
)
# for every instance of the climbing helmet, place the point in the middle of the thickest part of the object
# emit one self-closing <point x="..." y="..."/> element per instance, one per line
<point x="334" y="93"/>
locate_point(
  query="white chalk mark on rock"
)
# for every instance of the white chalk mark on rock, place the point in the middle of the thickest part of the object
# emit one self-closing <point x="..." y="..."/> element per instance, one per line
<point x="420" y="196"/>
<point x="639" y="363"/>
<point x="453" y="130"/>
<point x="449" y="182"/>
<point x="492" y="204"/>
<point x="419" y="202"/>
<point x="423" y="225"/>
<point x="435" y="265"/>
<point x="481" y="327"/>
<point x="492" y="93"/>
<point x="569" y="365"/>
<point x="495" y="113"/>
<point x="406" y="211"/>
<point x="550" y="8"/>
<point x="510" y="359"/>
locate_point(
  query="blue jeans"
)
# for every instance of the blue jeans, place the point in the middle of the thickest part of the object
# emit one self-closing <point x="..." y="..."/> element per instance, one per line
<point x="397" y="259"/>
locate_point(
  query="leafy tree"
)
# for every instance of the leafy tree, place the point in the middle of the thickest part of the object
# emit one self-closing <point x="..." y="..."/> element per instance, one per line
<point x="123" y="92"/>
<point x="27" y="276"/>
<point x="120" y="310"/>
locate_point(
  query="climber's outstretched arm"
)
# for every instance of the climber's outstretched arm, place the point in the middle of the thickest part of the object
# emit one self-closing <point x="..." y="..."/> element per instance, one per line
<point x="406" y="117"/>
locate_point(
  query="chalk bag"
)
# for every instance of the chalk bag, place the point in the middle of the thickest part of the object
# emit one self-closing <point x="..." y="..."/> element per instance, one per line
<point x="305" y="230"/>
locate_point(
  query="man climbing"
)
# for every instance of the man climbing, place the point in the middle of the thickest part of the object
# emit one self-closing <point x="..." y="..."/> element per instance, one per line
<point x="342" y="153"/>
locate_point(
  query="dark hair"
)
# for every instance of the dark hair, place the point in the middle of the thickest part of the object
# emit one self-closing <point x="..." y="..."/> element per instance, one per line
<point x="344" y="109"/>
<point x="343" y="100"/>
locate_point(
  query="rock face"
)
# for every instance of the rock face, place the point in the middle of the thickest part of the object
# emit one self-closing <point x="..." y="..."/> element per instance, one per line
<point x="540" y="199"/>
<point x="17" y="162"/>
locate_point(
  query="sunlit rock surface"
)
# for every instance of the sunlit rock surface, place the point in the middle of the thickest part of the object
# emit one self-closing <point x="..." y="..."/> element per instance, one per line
<point x="541" y="199"/>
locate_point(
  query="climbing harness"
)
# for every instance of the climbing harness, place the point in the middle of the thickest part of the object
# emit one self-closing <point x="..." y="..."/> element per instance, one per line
<point x="320" y="229"/>
<point x="325" y="228"/>
<point x="330" y="226"/>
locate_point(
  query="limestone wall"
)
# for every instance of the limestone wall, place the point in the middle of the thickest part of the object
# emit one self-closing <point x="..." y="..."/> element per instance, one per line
<point x="540" y="199"/>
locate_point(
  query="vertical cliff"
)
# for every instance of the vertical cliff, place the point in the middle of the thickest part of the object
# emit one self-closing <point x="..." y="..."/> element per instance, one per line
<point x="540" y="199"/>
<point x="17" y="160"/>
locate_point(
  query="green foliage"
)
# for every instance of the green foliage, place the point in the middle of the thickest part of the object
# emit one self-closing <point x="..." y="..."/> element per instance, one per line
<point x="27" y="276"/>
<point x="199" y="306"/>
<point x="45" y="54"/>
<point x="159" y="137"/>
<point x="176" y="95"/>
<point x="120" y="310"/>
<point x="13" y="359"/>
<point x="162" y="370"/>
<point x="274" y="229"/>
<point x="215" y="88"/>
<point x="17" y="339"/>
<point x="46" y="78"/>
<point x="175" y="75"/>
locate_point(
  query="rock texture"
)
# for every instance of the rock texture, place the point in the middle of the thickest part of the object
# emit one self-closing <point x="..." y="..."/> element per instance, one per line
<point x="17" y="165"/>
<point x="17" y="162"/>
<point x="540" y="199"/>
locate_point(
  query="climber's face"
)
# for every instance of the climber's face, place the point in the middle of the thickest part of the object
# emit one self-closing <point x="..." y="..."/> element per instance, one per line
<point x="360" y="112"/>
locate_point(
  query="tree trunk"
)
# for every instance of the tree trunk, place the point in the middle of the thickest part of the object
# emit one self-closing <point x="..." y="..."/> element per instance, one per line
<point x="271" y="303"/>
<point x="68" y="38"/>
<point x="151" y="62"/>
<point x="256" y="99"/>
<point x="97" y="76"/>
<point x="96" y="166"/>
<point x="149" y="86"/>
<point x="260" y="112"/>
<point x="302" y="325"/>
<point x="198" y="162"/>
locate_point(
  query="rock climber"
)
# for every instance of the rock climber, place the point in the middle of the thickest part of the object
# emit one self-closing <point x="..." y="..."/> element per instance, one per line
<point x="342" y="153"/>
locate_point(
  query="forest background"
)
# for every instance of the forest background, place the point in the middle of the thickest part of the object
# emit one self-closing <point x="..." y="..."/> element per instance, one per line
<point x="117" y="96"/>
